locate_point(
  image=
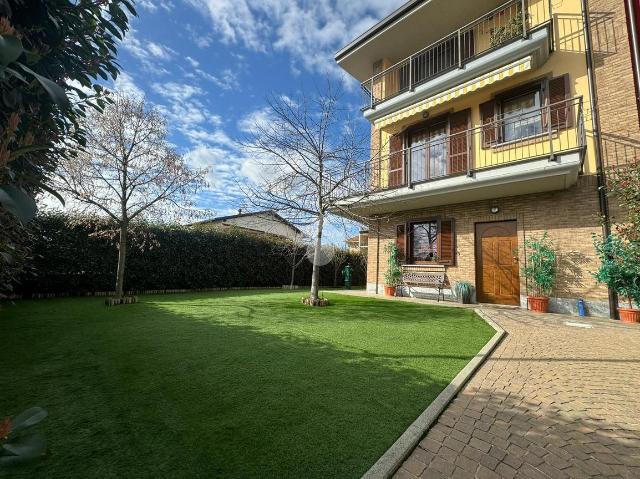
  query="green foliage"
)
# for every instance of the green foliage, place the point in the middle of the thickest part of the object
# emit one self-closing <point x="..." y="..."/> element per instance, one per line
<point x="503" y="34"/>
<point x="541" y="265"/>
<point x="463" y="291"/>
<point x="52" y="52"/>
<point x="393" y="275"/>
<point x="18" y="444"/>
<point x="619" y="266"/>
<point x="77" y="255"/>
<point x="623" y="184"/>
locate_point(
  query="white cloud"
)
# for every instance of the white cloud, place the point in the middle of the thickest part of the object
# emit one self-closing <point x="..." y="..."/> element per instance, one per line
<point x="310" y="32"/>
<point x="125" y="83"/>
<point x="153" y="7"/>
<point x="149" y="53"/>
<point x="193" y="62"/>
<point x="257" y="118"/>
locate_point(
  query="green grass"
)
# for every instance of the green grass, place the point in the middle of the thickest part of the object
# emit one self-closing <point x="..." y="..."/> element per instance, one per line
<point x="238" y="384"/>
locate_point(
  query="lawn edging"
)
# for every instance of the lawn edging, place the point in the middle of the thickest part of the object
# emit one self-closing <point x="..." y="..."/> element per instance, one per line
<point x="392" y="459"/>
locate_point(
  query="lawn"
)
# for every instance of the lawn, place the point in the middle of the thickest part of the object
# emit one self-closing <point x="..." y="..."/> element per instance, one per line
<point x="233" y="384"/>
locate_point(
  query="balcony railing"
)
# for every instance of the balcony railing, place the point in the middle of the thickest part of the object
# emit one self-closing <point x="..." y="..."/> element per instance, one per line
<point x="512" y="20"/>
<point x="542" y="133"/>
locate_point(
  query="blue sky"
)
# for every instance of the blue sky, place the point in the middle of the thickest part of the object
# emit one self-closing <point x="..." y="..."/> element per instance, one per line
<point x="210" y="64"/>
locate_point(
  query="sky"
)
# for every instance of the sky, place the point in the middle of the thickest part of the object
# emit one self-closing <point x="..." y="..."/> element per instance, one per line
<point x="209" y="66"/>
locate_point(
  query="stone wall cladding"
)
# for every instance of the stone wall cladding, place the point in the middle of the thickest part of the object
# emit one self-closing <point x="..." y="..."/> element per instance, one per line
<point x="570" y="217"/>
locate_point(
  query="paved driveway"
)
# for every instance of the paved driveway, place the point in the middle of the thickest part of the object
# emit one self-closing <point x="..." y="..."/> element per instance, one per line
<point x="552" y="401"/>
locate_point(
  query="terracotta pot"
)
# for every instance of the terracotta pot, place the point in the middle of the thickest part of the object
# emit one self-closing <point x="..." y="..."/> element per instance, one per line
<point x="538" y="304"/>
<point x="389" y="290"/>
<point x="629" y="315"/>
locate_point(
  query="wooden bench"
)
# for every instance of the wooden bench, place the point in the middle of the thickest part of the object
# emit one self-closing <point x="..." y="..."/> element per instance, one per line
<point x="425" y="275"/>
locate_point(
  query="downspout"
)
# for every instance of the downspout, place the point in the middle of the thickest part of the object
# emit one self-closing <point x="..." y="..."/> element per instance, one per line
<point x="377" y="253"/>
<point x="595" y="124"/>
<point x="632" y="15"/>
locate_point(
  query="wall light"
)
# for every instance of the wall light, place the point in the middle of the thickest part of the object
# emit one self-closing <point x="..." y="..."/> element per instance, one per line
<point x="495" y="209"/>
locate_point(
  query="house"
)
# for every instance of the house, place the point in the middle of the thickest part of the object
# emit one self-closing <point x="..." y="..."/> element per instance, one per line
<point x="482" y="137"/>
<point x="260" y="222"/>
<point x="359" y="242"/>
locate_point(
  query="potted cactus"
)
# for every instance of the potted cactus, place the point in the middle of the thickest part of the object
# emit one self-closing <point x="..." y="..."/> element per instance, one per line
<point x="540" y="271"/>
<point x="463" y="291"/>
<point x="393" y="275"/>
<point x="620" y="271"/>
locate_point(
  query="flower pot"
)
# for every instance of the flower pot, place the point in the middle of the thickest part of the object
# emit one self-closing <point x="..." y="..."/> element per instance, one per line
<point x="538" y="304"/>
<point x="629" y="315"/>
<point x="389" y="290"/>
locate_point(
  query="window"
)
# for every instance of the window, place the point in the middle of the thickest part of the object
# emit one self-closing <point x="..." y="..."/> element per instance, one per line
<point x="424" y="241"/>
<point x="521" y="116"/>
<point x="427" y="241"/>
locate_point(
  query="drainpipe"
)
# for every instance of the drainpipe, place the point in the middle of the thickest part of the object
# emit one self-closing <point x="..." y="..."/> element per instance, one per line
<point x="632" y="15"/>
<point x="377" y="253"/>
<point x="595" y="124"/>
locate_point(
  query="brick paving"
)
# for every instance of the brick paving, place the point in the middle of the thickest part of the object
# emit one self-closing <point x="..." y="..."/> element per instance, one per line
<point x="552" y="401"/>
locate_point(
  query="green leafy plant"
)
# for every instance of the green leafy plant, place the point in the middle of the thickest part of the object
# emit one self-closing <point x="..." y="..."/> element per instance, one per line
<point x="623" y="185"/>
<point x="463" y="291"/>
<point x="540" y="267"/>
<point x="18" y="444"/>
<point x="503" y="34"/>
<point x="619" y="266"/>
<point x="393" y="275"/>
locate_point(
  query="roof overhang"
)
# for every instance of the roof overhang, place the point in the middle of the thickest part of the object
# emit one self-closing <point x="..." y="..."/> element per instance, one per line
<point x="408" y="29"/>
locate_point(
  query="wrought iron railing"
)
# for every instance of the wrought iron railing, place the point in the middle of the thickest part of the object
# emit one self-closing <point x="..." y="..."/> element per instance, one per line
<point x="512" y="20"/>
<point x="546" y="132"/>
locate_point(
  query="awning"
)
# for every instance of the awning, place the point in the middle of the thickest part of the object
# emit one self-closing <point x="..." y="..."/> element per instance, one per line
<point x="501" y="73"/>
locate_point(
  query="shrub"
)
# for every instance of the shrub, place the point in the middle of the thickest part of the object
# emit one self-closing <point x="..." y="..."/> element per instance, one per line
<point x="77" y="255"/>
<point x="620" y="266"/>
<point x="393" y="275"/>
<point x="541" y="265"/>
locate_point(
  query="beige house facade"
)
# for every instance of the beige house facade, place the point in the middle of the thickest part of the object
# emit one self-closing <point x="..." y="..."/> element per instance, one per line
<point x="483" y="135"/>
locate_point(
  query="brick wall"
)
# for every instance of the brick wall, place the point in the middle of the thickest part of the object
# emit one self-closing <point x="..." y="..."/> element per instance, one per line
<point x="616" y="94"/>
<point x="569" y="216"/>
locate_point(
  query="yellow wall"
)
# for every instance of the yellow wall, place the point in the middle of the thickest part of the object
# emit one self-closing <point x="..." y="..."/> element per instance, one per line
<point x="568" y="57"/>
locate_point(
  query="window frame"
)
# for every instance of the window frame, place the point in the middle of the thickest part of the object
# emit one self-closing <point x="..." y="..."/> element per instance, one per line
<point x="539" y="87"/>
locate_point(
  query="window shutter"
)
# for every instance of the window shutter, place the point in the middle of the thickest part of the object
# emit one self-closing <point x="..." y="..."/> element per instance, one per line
<point x="401" y="242"/>
<point x="459" y="141"/>
<point x="396" y="160"/>
<point x="447" y="242"/>
<point x="561" y="113"/>
<point x="488" y="113"/>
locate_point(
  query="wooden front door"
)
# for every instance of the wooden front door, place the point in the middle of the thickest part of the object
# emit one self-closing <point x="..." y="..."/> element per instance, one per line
<point x="497" y="275"/>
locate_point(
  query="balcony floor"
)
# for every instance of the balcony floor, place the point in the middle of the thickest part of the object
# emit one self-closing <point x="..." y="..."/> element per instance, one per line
<point x="522" y="178"/>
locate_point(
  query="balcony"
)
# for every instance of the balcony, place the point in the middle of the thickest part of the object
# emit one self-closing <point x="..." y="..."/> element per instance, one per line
<point x="470" y="50"/>
<point x="540" y="150"/>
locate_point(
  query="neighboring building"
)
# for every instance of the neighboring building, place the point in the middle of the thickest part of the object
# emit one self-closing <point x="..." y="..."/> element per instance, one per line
<point x="482" y="137"/>
<point x="360" y="242"/>
<point x="268" y="222"/>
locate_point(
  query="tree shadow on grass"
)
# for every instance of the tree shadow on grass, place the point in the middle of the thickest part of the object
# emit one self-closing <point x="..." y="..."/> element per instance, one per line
<point x="165" y="394"/>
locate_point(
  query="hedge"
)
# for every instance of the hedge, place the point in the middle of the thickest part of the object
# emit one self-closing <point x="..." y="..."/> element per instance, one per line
<point x="78" y="256"/>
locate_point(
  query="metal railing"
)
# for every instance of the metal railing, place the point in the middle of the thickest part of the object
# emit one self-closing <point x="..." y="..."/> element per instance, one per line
<point x="512" y="20"/>
<point x="541" y="133"/>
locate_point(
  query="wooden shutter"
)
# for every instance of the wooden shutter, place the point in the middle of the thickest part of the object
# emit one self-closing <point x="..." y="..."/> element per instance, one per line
<point x="401" y="242"/>
<point x="459" y="141"/>
<point x="447" y="242"/>
<point x="488" y="113"/>
<point x="396" y="160"/>
<point x="561" y="113"/>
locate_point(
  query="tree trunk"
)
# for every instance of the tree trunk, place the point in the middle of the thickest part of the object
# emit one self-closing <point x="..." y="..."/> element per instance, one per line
<point x="315" y="277"/>
<point x="293" y="270"/>
<point x="122" y="256"/>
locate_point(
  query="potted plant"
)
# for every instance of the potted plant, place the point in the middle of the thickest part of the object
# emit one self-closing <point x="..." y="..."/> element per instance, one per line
<point x="393" y="275"/>
<point x="463" y="291"/>
<point x="540" y="271"/>
<point x="620" y="271"/>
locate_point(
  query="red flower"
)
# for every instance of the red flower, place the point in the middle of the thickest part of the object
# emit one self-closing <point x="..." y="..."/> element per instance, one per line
<point x="5" y="427"/>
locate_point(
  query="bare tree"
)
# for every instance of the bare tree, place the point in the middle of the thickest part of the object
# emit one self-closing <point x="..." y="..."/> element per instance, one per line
<point x="294" y="251"/>
<point x="128" y="170"/>
<point x="309" y="152"/>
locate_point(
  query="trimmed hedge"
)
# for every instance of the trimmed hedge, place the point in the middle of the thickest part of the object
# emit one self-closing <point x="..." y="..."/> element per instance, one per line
<point x="78" y="255"/>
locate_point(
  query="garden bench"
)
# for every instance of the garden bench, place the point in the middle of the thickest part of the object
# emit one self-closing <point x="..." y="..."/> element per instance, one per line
<point x="426" y="275"/>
